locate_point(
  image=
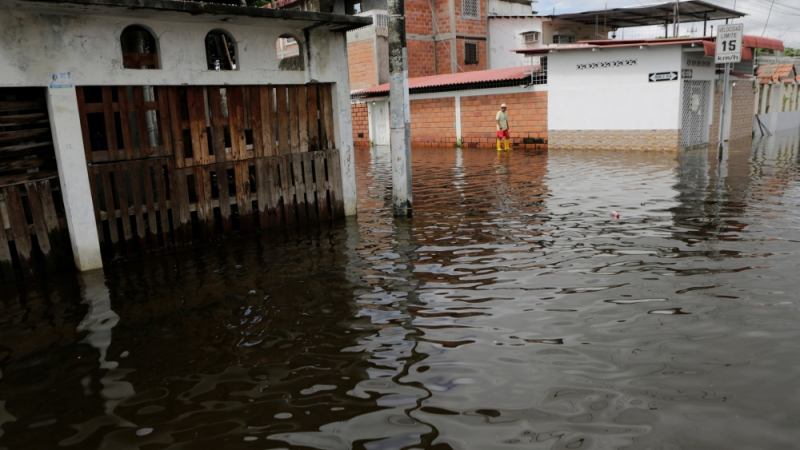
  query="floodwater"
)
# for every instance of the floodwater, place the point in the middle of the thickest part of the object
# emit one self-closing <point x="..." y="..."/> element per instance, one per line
<point x="512" y="311"/>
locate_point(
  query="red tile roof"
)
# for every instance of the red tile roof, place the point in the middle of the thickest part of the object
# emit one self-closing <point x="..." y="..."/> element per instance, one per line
<point x="480" y="76"/>
<point x="776" y="72"/>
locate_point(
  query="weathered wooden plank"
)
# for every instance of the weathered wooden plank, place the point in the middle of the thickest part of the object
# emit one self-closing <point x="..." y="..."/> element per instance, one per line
<point x="335" y="183"/>
<point x="15" y="105"/>
<point x="19" y="229"/>
<point x="256" y="120"/>
<point x="163" y="213"/>
<point x="243" y="201"/>
<point x="40" y="225"/>
<point x="262" y="192"/>
<point x="136" y="187"/>
<point x="205" y="211"/>
<point x="6" y="262"/>
<point x="141" y="122"/>
<point x="283" y="121"/>
<point x="224" y="197"/>
<point x="24" y="119"/>
<point x="28" y="149"/>
<point x="58" y="246"/>
<point x="163" y="116"/>
<point x="18" y="135"/>
<point x="125" y="218"/>
<point x="197" y="124"/>
<point x="299" y="188"/>
<point x="302" y="106"/>
<point x="179" y="198"/>
<point x="237" y="123"/>
<point x="312" y="110"/>
<point x="277" y="211"/>
<point x="28" y="177"/>
<point x="125" y="122"/>
<point x="218" y="122"/>
<point x="327" y="115"/>
<point x="294" y="119"/>
<point x="321" y="186"/>
<point x="287" y="190"/>
<point x="108" y="194"/>
<point x="268" y="120"/>
<point x="177" y="129"/>
<point x="111" y="128"/>
<point x="93" y="172"/>
<point x="21" y="164"/>
<point x="311" y="204"/>
<point x="149" y="197"/>
<point x="248" y="123"/>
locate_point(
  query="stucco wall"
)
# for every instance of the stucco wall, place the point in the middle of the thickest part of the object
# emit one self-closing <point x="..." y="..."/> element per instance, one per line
<point x="614" y="98"/>
<point x="505" y="35"/>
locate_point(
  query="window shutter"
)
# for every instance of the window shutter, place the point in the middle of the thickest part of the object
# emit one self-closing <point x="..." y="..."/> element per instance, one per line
<point x="470" y="53"/>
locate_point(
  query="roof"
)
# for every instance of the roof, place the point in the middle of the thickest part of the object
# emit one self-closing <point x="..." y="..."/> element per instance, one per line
<point x="463" y="78"/>
<point x="775" y="73"/>
<point x="337" y="22"/>
<point x="708" y="43"/>
<point x="653" y="14"/>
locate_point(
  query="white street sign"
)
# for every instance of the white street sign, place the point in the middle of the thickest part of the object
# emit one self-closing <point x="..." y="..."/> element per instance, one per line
<point x="729" y="43"/>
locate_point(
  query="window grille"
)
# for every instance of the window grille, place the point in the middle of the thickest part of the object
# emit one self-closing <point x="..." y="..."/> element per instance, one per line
<point x="561" y="39"/>
<point x="470" y="53"/>
<point x="531" y="37"/>
<point x="470" y="9"/>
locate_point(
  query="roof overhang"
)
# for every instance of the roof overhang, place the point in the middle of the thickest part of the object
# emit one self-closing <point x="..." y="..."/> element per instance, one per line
<point x="195" y="11"/>
<point x="653" y="14"/>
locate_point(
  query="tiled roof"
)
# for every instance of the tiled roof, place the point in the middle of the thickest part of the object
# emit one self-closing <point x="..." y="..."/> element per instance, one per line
<point x="775" y="72"/>
<point x="480" y="76"/>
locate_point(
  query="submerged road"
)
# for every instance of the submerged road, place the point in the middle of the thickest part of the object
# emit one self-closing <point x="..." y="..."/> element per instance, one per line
<point x="512" y="311"/>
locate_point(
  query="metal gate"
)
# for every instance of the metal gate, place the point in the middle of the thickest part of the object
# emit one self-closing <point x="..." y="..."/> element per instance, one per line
<point x="694" y="123"/>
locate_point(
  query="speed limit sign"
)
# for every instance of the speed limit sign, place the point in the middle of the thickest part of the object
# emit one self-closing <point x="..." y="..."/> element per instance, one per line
<point x="729" y="43"/>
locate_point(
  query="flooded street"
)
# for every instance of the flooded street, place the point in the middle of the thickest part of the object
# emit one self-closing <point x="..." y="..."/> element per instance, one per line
<point x="512" y="311"/>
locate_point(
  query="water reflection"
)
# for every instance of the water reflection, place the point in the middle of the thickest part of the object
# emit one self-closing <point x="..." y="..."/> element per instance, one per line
<point x="513" y="309"/>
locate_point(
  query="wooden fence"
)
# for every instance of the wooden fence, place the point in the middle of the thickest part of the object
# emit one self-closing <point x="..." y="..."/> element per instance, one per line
<point x="169" y="166"/>
<point x="33" y="235"/>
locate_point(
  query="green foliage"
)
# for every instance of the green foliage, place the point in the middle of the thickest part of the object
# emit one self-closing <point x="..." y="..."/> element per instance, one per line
<point x="260" y="3"/>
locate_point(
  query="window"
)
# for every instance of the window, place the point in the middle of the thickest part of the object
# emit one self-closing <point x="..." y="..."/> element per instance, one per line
<point x="138" y="48"/>
<point x="470" y="9"/>
<point x="560" y="39"/>
<point x="221" y="51"/>
<point x="290" y="53"/>
<point x="531" y="37"/>
<point x="470" y="53"/>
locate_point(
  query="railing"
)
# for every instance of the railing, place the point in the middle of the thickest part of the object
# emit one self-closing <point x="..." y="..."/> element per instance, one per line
<point x="380" y="19"/>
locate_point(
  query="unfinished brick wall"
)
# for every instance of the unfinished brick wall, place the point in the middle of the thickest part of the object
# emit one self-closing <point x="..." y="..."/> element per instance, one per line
<point x="418" y="17"/>
<point x="655" y="140"/>
<point x="743" y="100"/>
<point x="433" y="122"/>
<point x="481" y="55"/>
<point x="360" y="115"/>
<point x="361" y="64"/>
<point x="527" y="118"/>
<point x="421" y="62"/>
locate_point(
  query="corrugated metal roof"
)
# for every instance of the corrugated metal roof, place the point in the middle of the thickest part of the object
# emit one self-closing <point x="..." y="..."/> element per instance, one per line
<point x="480" y="76"/>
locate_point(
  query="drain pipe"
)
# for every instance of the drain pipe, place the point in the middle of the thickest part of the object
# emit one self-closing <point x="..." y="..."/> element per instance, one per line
<point x="399" y="110"/>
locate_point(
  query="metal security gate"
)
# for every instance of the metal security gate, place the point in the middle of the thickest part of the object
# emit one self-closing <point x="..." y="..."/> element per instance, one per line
<point x="694" y="123"/>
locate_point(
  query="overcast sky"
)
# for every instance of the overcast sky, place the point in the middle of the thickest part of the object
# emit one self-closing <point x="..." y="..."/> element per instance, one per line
<point x="784" y="21"/>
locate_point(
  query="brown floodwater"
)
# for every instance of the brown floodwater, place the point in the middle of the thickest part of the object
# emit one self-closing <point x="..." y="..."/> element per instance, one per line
<point x="512" y="311"/>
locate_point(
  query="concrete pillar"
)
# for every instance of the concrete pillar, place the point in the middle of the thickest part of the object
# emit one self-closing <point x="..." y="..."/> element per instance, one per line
<point x="343" y="124"/>
<point x="62" y="105"/>
<point x="457" y="99"/>
<point x="764" y="98"/>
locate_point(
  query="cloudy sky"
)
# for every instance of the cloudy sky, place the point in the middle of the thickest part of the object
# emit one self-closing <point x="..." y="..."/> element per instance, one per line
<point x="784" y="21"/>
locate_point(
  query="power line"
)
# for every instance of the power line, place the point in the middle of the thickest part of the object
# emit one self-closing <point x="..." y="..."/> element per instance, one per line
<point x="768" y="14"/>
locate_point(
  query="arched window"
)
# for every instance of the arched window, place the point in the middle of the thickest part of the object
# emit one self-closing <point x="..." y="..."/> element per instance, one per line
<point x="221" y="51"/>
<point x="138" y="48"/>
<point x="290" y="53"/>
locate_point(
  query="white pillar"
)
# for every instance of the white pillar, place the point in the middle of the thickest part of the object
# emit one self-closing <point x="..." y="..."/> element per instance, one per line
<point x="62" y="106"/>
<point x="458" y="120"/>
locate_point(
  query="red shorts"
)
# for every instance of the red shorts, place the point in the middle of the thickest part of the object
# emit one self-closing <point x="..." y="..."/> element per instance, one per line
<point x="502" y="134"/>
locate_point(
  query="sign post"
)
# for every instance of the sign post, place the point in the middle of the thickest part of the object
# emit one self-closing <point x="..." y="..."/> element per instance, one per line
<point x="729" y="50"/>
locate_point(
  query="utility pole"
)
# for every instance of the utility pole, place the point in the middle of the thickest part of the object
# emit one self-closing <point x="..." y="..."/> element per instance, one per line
<point x="400" y="117"/>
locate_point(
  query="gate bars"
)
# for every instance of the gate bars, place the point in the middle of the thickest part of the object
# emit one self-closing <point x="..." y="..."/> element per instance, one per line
<point x="175" y="165"/>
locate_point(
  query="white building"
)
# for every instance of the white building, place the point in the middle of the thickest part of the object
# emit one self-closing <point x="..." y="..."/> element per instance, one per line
<point x="102" y="97"/>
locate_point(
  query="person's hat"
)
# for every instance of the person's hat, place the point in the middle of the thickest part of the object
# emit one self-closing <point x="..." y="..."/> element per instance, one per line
<point x="503" y="105"/>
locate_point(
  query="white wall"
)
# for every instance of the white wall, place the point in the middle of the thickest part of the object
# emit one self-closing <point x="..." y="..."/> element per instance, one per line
<point x="614" y="98"/>
<point x="502" y="8"/>
<point x="505" y="36"/>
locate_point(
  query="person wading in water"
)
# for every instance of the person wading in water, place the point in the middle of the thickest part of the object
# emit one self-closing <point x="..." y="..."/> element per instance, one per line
<point x="502" y="127"/>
